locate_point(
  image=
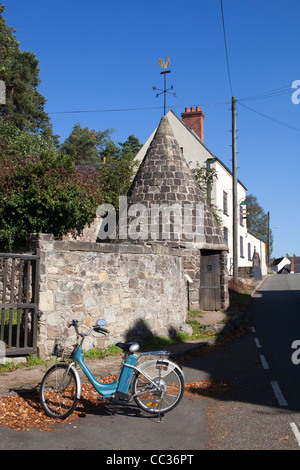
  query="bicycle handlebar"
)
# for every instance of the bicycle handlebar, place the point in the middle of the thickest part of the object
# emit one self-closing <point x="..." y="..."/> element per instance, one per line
<point x="97" y="328"/>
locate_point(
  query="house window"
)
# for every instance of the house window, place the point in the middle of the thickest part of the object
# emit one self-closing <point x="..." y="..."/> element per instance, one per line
<point x="225" y="203"/>
<point x="241" y="215"/>
<point x="225" y="234"/>
<point x="241" y="247"/>
<point x="249" y="251"/>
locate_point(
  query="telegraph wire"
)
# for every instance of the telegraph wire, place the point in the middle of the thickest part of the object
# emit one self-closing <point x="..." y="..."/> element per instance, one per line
<point x="270" y="118"/>
<point x="80" y="111"/>
<point x="130" y="109"/>
<point x="226" y="51"/>
<point x="268" y="94"/>
<point x="286" y="89"/>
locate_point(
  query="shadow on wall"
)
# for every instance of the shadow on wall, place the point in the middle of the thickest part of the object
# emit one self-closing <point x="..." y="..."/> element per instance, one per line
<point x="140" y="330"/>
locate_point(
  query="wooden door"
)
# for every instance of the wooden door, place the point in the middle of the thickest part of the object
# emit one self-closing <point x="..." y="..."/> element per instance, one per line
<point x="210" y="282"/>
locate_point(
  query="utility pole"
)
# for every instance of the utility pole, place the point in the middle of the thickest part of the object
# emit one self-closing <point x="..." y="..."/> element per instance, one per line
<point x="268" y="240"/>
<point x="234" y="195"/>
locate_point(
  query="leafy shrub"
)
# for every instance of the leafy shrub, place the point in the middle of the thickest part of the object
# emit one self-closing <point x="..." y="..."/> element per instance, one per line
<point x="44" y="193"/>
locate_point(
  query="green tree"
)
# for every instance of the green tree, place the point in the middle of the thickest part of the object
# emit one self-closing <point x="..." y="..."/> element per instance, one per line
<point x="111" y="153"/>
<point x="41" y="190"/>
<point x="257" y="220"/>
<point x="116" y="177"/>
<point x="130" y="147"/>
<point x="127" y="149"/>
<point x="15" y="144"/>
<point x="85" y="145"/>
<point x="19" y="70"/>
<point x="119" y="169"/>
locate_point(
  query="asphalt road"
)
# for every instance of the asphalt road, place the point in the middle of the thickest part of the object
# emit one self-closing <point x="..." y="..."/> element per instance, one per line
<point x="260" y="410"/>
<point x="263" y="412"/>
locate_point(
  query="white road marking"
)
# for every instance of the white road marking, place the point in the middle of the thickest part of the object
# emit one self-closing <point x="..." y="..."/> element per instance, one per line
<point x="296" y="432"/>
<point x="278" y="393"/>
<point x="264" y="362"/>
<point x="258" y="345"/>
<point x="252" y="329"/>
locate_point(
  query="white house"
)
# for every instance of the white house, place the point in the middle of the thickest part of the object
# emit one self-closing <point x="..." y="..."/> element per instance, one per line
<point x="189" y="132"/>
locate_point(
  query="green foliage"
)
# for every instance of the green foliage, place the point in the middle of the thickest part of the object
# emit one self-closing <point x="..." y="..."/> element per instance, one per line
<point x="14" y="144"/>
<point x="205" y="178"/>
<point x="116" y="177"/>
<point x="111" y="350"/>
<point x="19" y="70"/>
<point x="257" y="220"/>
<point x="85" y="146"/>
<point x="41" y="190"/>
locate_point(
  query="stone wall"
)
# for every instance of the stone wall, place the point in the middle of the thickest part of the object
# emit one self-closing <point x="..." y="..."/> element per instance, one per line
<point x="136" y="289"/>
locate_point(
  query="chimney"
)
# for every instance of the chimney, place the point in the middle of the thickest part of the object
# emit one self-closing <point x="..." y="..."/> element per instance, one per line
<point x="194" y="120"/>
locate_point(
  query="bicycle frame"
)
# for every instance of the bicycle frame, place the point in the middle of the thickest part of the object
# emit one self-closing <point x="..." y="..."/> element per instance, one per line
<point x="121" y="384"/>
<point x="119" y="387"/>
<point x="151" y="377"/>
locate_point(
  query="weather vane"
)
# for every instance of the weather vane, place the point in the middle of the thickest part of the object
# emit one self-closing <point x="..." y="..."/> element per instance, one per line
<point x="164" y="65"/>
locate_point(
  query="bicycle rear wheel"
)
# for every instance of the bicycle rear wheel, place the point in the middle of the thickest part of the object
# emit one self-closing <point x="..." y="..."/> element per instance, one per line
<point x="162" y="394"/>
<point x="58" y="391"/>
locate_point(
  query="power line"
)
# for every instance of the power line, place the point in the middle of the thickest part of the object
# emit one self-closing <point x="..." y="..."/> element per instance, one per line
<point x="284" y="90"/>
<point x="130" y="109"/>
<point x="226" y="51"/>
<point x="79" y="111"/>
<point x="270" y="118"/>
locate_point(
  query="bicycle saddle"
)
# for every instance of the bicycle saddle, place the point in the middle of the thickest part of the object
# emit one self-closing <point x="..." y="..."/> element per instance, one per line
<point x="128" y="347"/>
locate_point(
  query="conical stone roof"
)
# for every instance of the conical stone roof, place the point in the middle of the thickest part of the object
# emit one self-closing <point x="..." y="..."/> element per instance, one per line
<point x="165" y="204"/>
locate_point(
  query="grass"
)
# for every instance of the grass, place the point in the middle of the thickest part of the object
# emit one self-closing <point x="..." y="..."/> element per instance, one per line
<point x="111" y="350"/>
<point x="199" y="333"/>
<point x="32" y="360"/>
<point x="160" y="341"/>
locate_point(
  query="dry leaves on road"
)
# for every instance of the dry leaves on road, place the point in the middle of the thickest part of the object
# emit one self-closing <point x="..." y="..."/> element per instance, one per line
<point x="25" y="412"/>
<point x="207" y="388"/>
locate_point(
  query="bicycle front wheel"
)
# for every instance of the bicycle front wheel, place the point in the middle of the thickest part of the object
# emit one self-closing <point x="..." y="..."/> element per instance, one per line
<point x="160" y="394"/>
<point x="58" y="392"/>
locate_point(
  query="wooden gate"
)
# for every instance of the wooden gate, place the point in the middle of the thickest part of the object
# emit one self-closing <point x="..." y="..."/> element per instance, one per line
<point x="210" y="281"/>
<point x="19" y="274"/>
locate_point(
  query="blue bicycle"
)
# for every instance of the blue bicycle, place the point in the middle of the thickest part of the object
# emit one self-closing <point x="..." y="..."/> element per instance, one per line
<point x="156" y="384"/>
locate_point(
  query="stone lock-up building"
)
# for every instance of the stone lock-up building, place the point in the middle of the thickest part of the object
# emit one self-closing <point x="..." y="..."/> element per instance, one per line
<point x="165" y="206"/>
<point x="137" y="282"/>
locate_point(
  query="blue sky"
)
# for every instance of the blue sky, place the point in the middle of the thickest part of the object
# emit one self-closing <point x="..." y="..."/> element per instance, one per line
<point x="101" y="55"/>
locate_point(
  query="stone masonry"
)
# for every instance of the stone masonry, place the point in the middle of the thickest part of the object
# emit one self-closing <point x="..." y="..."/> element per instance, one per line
<point x="164" y="179"/>
<point x="138" y="290"/>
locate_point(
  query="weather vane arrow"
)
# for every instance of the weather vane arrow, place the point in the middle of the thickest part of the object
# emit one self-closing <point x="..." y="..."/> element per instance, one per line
<point x="164" y="65"/>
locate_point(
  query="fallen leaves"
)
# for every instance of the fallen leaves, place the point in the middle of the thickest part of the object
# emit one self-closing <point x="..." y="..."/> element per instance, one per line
<point x="23" y="412"/>
<point x="208" y="388"/>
